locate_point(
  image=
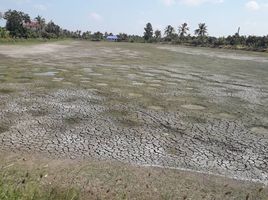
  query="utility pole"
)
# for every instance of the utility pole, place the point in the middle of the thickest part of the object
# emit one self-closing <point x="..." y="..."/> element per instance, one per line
<point x="238" y="31"/>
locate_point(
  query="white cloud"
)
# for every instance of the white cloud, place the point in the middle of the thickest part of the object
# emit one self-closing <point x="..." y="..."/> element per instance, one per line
<point x="199" y="2"/>
<point x="168" y="2"/>
<point x="253" y="5"/>
<point x="190" y="2"/>
<point x="95" y="16"/>
<point x="40" y="7"/>
<point x="21" y="1"/>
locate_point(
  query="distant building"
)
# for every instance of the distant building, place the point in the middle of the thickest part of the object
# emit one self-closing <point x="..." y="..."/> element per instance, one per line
<point x="32" y="25"/>
<point x="112" y="38"/>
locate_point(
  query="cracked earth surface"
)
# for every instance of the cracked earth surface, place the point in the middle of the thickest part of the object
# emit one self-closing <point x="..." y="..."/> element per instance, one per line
<point x="146" y="105"/>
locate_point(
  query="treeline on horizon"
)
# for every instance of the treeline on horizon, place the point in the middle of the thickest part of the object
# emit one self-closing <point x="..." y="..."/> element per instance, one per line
<point x="20" y="25"/>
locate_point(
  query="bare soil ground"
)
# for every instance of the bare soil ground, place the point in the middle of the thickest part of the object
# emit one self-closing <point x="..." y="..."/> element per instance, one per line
<point x="114" y="180"/>
<point x="195" y="110"/>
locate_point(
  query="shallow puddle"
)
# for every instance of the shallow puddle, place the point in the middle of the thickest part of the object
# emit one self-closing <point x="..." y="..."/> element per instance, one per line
<point x="46" y="74"/>
<point x="137" y="83"/>
<point x="102" y="84"/>
<point x="95" y="74"/>
<point x="155" y="85"/>
<point x="58" y="79"/>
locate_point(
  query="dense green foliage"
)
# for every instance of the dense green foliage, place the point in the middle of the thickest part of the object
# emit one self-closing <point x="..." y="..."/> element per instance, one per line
<point x="3" y="33"/>
<point x="148" y="34"/>
<point x="20" y="25"/>
<point x="15" y="21"/>
<point x="201" y="38"/>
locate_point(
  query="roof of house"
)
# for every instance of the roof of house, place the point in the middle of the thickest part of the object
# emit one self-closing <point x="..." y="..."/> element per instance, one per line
<point x="113" y="37"/>
<point x="32" y="24"/>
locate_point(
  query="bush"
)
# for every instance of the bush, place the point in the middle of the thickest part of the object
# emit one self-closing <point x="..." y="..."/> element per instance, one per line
<point x="4" y="33"/>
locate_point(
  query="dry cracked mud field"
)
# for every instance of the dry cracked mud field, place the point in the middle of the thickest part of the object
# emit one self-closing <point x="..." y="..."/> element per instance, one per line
<point x="202" y="110"/>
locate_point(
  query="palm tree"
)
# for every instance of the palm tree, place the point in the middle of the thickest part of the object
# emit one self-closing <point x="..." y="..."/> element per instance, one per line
<point x="183" y="29"/>
<point x="41" y="21"/>
<point x="202" y="30"/>
<point x="169" y="31"/>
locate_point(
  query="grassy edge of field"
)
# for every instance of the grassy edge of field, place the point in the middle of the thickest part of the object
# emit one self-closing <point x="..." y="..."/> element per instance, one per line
<point x="36" y="177"/>
<point x="32" y="41"/>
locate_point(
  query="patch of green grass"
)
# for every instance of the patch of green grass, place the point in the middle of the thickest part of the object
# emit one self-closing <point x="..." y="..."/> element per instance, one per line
<point x="6" y="91"/>
<point x="26" y="187"/>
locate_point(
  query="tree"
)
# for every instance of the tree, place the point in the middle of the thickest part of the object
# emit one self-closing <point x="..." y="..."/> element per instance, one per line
<point x="52" y="30"/>
<point x="15" y="23"/>
<point x="41" y="21"/>
<point x="170" y="33"/>
<point x="148" y="34"/>
<point x="157" y="34"/>
<point x="97" y="36"/>
<point x="202" y="30"/>
<point x="3" y="33"/>
<point x="41" y="25"/>
<point x="123" y="37"/>
<point x="183" y="29"/>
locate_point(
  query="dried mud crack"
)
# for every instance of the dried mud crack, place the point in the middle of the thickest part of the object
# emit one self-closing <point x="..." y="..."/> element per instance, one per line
<point x="192" y="124"/>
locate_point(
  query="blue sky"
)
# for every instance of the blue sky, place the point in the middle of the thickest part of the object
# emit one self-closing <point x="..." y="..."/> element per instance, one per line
<point x="223" y="17"/>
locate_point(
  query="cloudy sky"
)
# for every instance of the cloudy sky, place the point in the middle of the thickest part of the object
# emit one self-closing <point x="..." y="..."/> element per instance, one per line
<point x="223" y="17"/>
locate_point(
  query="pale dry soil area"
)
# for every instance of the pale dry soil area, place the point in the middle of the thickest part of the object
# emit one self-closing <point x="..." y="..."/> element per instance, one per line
<point x="177" y="108"/>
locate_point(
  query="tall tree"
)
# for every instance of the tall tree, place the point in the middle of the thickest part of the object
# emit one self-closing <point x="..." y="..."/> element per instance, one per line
<point x="170" y="33"/>
<point x="202" y="30"/>
<point x="41" y="21"/>
<point x="97" y="36"/>
<point x="183" y="29"/>
<point x="123" y="37"/>
<point x="15" y="23"/>
<point x="53" y="30"/>
<point x="148" y="34"/>
<point x="157" y="34"/>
